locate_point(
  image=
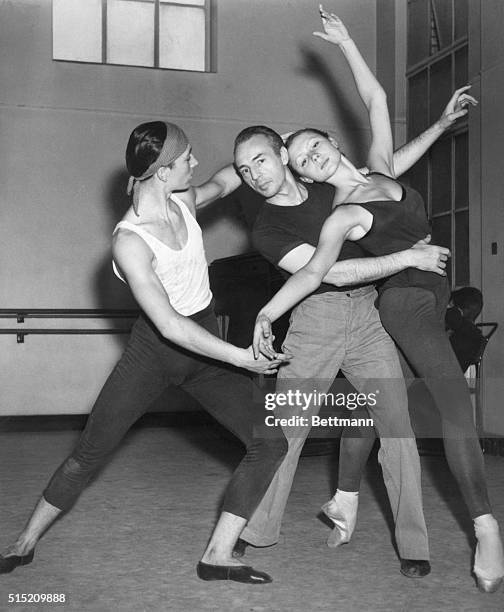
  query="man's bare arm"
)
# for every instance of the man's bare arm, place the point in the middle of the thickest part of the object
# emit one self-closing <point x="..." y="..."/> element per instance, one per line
<point x="368" y="269"/>
<point x="347" y="272"/>
<point x="219" y="185"/>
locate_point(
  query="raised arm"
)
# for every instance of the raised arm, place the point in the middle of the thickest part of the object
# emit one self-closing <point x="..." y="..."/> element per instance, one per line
<point x="219" y="185"/>
<point x="372" y="93"/>
<point x="411" y="152"/>
<point x="134" y="259"/>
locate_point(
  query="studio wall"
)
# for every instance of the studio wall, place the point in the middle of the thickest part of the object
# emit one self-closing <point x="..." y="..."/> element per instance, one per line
<point x="64" y="127"/>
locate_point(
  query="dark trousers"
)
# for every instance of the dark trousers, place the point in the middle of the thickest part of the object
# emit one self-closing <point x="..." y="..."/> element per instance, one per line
<point x="415" y="320"/>
<point x="148" y="365"/>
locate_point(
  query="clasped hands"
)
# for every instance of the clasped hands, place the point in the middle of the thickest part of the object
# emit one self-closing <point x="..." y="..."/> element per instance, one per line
<point x="262" y="343"/>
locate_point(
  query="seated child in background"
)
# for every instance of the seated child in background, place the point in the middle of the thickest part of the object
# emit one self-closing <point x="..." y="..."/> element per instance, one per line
<point x="465" y="336"/>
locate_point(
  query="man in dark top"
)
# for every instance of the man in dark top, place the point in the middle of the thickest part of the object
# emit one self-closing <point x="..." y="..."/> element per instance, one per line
<point x="335" y="328"/>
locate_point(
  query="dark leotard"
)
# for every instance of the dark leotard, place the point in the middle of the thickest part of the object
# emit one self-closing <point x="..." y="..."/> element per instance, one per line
<point x="397" y="226"/>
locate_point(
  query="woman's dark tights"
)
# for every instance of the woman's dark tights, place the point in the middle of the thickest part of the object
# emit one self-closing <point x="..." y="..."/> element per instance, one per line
<point x="415" y="320"/>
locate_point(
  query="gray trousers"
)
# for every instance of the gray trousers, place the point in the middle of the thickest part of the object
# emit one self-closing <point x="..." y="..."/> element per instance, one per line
<point x="342" y="330"/>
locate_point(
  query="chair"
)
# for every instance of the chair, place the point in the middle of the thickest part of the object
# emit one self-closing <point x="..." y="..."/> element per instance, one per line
<point x="474" y="372"/>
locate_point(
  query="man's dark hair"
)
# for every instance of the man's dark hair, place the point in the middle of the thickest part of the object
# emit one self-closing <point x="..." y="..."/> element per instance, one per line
<point x="274" y="139"/>
<point x="469" y="300"/>
<point x="144" y="146"/>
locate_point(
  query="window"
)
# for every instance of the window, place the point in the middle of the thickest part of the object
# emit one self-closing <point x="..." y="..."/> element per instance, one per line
<point x="437" y="65"/>
<point x="171" y="34"/>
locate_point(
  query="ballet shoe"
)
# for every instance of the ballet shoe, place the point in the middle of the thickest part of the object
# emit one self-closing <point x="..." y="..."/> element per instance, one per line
<point x="340" y="534"/>
<point x="487" y="585"/>
<point x="7" y="564"/>
<point x="238" y="573"/>
<point x="415" y="568"/>
<point x="488" y="578"/>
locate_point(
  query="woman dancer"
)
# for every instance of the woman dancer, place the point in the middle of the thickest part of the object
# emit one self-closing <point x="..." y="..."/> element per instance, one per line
<point x="384" y="216"/>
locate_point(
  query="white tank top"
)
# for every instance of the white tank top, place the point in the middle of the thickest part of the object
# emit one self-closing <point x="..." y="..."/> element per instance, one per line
<point x="184" y="272"/>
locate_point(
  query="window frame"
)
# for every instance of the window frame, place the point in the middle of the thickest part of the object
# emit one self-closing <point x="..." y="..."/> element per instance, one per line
<point x="425" y="65"/>
<point x="208" y="8"/>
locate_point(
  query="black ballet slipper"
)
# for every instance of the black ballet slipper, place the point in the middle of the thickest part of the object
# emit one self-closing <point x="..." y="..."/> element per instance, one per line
<point x="7" y="564"/>
<point x="238" y="573"/>
<point x="239" y="548"/>
<point x="415" y="568"/>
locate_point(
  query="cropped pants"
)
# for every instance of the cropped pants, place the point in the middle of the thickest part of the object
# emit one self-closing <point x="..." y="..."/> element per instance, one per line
<point x="147" y="367"/>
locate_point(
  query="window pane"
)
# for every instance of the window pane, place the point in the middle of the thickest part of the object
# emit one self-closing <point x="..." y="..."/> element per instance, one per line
<point x="130" y="32"/>
<point x="417" y="177"/>
<point x="461" y="18"/>
<point x="181" y="38"/>
<point x="462" y="248"/>
<point x="442" y="13"/>
<point x="461" y="171"/>
<point x="440" y="87"/>
<point x="77" y="30"/>
<point x="441" y="176"/>
<point x="418" y="114"/>
<point x="441" y="236"/>
<point x="418" y="31"/>
<point x="461" y="71"/>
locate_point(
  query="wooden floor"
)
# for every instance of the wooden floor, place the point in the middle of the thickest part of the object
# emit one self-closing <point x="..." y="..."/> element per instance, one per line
<point x="132" y="541"/>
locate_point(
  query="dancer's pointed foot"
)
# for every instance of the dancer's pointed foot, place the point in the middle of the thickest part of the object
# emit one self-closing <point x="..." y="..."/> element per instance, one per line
<point x="340" y="533"/>
<point x="489" y="555"/>
<point x="342" y="510"/>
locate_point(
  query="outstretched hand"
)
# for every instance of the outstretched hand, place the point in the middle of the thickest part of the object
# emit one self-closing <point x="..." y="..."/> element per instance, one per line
<point x="457" y="107"/>
<point x="334" y="30"/>
<point x="429" y="258"/>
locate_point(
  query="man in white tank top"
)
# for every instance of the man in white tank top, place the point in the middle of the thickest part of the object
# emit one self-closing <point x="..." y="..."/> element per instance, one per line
<point x="158" y="250"/>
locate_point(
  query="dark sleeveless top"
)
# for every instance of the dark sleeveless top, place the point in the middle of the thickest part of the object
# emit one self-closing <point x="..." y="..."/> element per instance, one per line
<point x="398" y="226"/>
<point x="280" y="229"/>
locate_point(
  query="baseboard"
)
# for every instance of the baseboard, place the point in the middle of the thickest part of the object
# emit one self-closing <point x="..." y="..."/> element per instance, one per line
<point x="62" y="422"/>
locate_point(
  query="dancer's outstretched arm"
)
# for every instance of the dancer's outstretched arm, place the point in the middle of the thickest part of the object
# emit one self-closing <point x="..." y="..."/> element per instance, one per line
<point x="346" y="222"/>
<point x="374" y="98"/>
<point x="306" y="280"/>
<point x="380" y="155"/>
<point x="411" y="152"/>
<point x="219" y="185"/>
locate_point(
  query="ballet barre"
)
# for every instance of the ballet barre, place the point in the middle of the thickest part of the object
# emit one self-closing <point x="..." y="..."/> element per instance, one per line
<point x="20" y="314"/>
